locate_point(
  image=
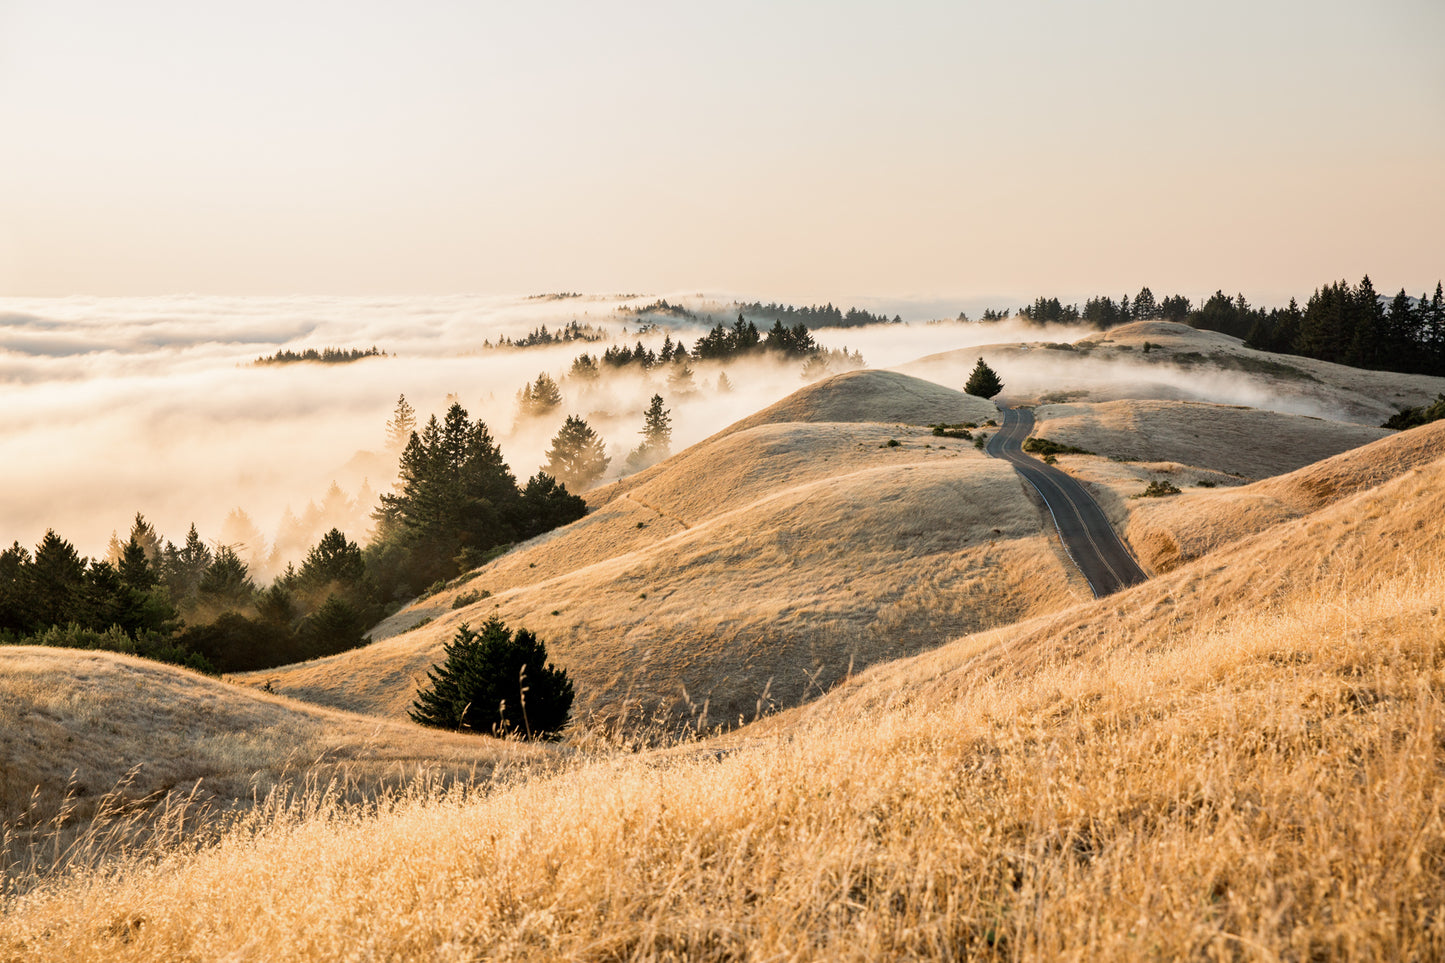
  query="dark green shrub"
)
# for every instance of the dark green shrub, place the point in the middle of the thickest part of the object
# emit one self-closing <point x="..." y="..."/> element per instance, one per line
<point x="1414" y="417"/>
<point x="1158" y="489"/>
<point x="1043" y="446"/>
<point x="495" y="682"/>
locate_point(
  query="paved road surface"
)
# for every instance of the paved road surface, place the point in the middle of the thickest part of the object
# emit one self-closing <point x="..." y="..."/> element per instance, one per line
<point x="1085" y="531"/>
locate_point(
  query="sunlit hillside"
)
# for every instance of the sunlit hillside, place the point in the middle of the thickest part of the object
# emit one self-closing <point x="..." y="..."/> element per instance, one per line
<point x="1164" y="361"/>
<point x="1239" y="759"/>
<point x="753" y="570"/>
<point x="76" y="725"/>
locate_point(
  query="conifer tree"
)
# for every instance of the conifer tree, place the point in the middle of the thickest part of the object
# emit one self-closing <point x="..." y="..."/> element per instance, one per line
<point x="540" y="397"/>
<point x="984" y="381"/>
<point x="401" y="425"/>
<point x="495" y="682"/>
<point x="577" y="457"/>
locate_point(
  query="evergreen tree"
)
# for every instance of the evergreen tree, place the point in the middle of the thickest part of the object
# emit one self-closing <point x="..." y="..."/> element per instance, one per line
<point x="16" y="599"/>
<point x="584" y="367"/>
<point x="226" y="583"/>
<point x="724" y="384"/>
<point x="333" y="564"/>
<point x="455" y="500"/>
<point x="656" y="437"/>
<point x="680" y="382"/>
<point x="1144" y="307"/>
<point x="494" y="682"/>
<point x="539" y="398"/>
<point x="546" y="505"/>
<point x="983" y="381"/>
<point x="577" y="457"/>
<point x="657" y="426"/>
<point x="57" y="583"/>
<point x="399" y="429"/>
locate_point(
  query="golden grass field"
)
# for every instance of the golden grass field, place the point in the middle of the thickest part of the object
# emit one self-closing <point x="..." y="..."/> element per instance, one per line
<point x="1240" y="759"/>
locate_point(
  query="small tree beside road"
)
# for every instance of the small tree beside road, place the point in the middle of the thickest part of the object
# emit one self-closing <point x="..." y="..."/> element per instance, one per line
<point x="983" y="382"/>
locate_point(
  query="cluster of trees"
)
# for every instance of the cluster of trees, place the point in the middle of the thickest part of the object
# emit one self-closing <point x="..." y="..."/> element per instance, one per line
<point x="1343" y="323"/>
<point x="1102" y="312"/>
<point x="324" y="356"/>
<point x="201" y="606"/>
<point x="1351" y="325"/>
<point x="665" y="307"/>
<point x="541" y="337"/>
<point x="456" y="501"/>
<point x="539" y="398"/>
<point x="813" y="316"/>
<point x="723" y="343"/>
<point x="189" y="604"/>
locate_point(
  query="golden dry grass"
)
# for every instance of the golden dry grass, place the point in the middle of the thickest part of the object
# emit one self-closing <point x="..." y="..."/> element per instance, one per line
<point x="74" y="724"/>
<point x="772" y="562"/>
<point x="1247" y="442"/>
<point x="1240" y="760"/>
<point x="1166" y="532"/>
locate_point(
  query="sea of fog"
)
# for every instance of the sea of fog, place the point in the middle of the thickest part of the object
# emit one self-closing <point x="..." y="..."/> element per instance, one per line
<point x="115" y="406"/>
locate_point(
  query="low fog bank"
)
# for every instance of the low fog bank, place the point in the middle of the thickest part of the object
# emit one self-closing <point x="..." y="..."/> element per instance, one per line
<point x="154" y="405"/>
<point x="119" y="405"/>
<point x="1049" y="376"/>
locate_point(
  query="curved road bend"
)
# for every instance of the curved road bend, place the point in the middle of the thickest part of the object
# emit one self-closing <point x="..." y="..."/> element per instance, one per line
<point x="1085" y="531"/>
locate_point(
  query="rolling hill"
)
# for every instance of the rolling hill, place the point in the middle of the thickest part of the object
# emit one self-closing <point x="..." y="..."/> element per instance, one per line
<point x="751" y="571"/>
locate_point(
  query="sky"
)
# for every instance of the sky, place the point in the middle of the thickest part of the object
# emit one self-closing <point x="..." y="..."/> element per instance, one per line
<point x="911" y="152"/>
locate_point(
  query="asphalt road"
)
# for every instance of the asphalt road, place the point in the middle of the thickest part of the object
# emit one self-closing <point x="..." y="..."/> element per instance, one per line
<point x="1083" y="528"/>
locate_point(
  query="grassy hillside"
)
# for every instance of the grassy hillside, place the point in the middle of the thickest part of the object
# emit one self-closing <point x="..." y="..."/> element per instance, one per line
<point x="74" y="724"/>
<point x="1166" y="532"/>
<point x="752" y="571"/>
<point x="1183" y="364"/>
<point x="1241" y="759"/>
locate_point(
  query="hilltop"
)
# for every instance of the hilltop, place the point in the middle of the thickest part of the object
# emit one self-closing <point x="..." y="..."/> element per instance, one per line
<point x="751" y="571"/>
<point x="1166" y="361"/>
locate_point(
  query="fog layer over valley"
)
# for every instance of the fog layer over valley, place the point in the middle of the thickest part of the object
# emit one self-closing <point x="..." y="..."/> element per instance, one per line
<point x="120" y="405"/>
<point x="156" y="405"/>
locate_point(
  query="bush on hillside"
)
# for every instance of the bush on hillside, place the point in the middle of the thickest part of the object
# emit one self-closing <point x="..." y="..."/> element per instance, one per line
<point x="1158" y="489"/>
<point x="495" y="682"/>
<point x="1414" y="417"/>
<point x="1043" y="446"/>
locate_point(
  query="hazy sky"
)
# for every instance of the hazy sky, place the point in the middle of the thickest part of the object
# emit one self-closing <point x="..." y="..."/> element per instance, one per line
<point x="775" y="149"/>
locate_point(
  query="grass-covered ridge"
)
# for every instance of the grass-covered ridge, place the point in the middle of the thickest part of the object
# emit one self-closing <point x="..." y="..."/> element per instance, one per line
<point x="1229" y="756"/>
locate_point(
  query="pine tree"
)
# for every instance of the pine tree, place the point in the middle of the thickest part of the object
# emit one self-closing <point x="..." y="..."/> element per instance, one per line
<point x="401" y="426"/>
<point x="656" y="437"/>
<point x="1144" y="307"/>
<point x="657" y="426"/>
<point x="333" y="562"/>
<point x="546" y="505"/>
<point x="539" y="398"/>
<point x="494" y="682"/>
<point x="57" y="582"/>
<point x="680" y="382"/>
<point x="227" y="581"/>
<point x="724" y="384"/>
<point x="983" y="382"/>
<point x="577" y="457"/>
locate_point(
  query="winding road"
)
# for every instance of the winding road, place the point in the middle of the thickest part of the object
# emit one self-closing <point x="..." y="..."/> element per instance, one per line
<point x="1083" y="528"/>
